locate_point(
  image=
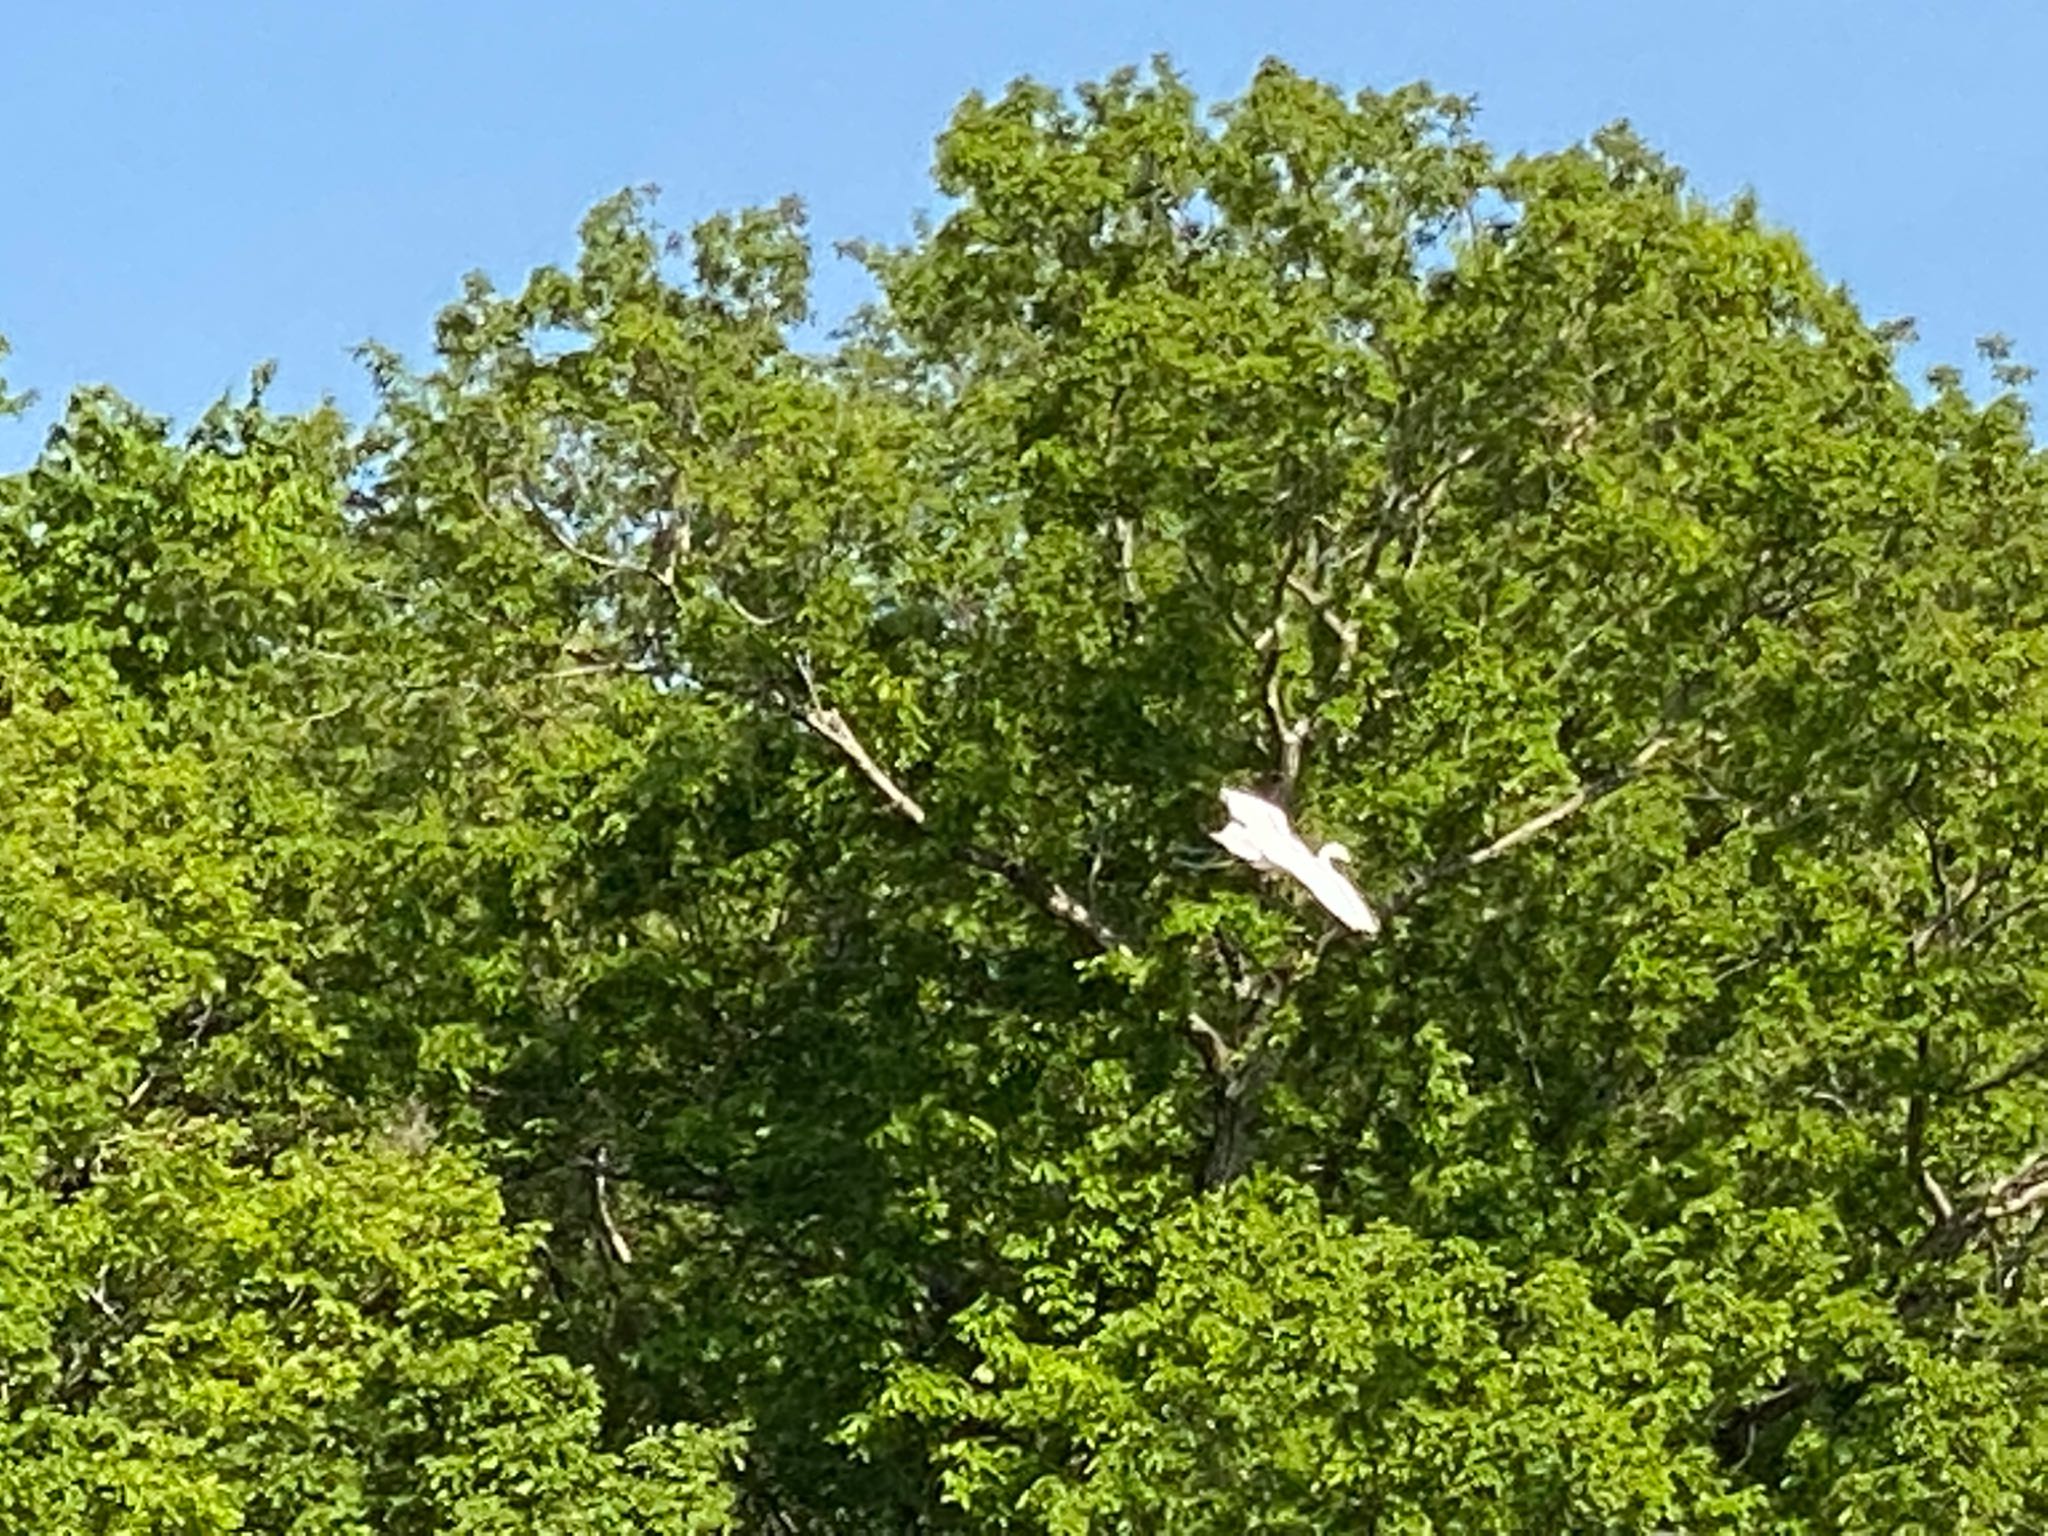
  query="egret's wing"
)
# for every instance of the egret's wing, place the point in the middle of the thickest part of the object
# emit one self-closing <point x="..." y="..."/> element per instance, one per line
<point x="1340" y="898"/>
<point x="1292" y="857"/>
<point x="1258" y="813"/>
<point x="1242" y="841"/>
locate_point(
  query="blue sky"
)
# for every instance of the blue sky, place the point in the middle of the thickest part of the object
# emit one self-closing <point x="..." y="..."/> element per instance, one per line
<point x="188" y="189"/>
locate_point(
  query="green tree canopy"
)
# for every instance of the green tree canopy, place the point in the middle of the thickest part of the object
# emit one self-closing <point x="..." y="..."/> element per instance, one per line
<point x="632" y="945"/>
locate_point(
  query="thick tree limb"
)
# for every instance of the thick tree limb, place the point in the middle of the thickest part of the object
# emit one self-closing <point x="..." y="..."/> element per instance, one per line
<point x="1236" y="1095"/>
<point x="1240" y="1072"/>
<point x="1736" y="1435"/>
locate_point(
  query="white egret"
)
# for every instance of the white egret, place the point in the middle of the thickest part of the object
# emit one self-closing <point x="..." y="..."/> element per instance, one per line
<point x="1260" y="834"/>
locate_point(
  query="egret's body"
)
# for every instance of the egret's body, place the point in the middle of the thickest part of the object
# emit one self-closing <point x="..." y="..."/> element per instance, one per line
<point x="1260" y="834"/>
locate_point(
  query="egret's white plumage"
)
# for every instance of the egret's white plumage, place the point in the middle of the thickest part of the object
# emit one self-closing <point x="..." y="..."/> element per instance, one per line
<point x="1260" y="834"/>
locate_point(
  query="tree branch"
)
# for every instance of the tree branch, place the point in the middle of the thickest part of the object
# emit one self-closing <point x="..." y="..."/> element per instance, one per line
<point x="1958" y="1224"/>
<point x="1420" y="505"/>
<point x="1270" y="646"/>
<point x="615" y="1245"/>
<point x="1055" y="899"/>
<point x="1239" y="1073"/>
<point x="829" y="723"/>
<point x="1214" y="1050"/>
<point x="1916" y="1137"/>
<point x="2010" y="1073"/>
<point x="2015" y="1193"/>
<point x="532" y="503"/>
<point x="1587" y="794"/>
<point x="1049" y="894"/>
<point x="1324" y="607"/>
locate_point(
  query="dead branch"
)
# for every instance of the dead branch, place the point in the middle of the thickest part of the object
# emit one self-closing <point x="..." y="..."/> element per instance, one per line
<point x="1587" y="794"/>
<point x="1983" y="1208"/>
<point x="1324" y="607"/>
<point x="1126" y="531"/>
<point x="1055" y="899"/>
<point x="615" y="1245"/>
<point x="1210" y="1045"/>
<point x="830" y="724"/>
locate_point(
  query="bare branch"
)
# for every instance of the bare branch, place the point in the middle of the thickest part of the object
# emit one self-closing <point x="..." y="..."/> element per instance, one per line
<point x="1397" y="506"/>
<point x="1324" y="607"/>
<point x="2020" y="1190"/>
<point x="659" y="571"/>
<point x="532" y="503"/>
<point x="1587" y="794"/>
<point x="1937" y="1197"/>
<point x="1210" y="1045"/>
<point x="1055" y="899"/>
<point x="1126" y="532"/>
<point x="1236" y="1094"/>
<point x="830" y="724"/>
<point x="746" y="613"/>
<point x="615" y="668"/>
<point x="1289" y="736"/>
<point x="2017" y="1192"/>
<point x="615" y="1245"/>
